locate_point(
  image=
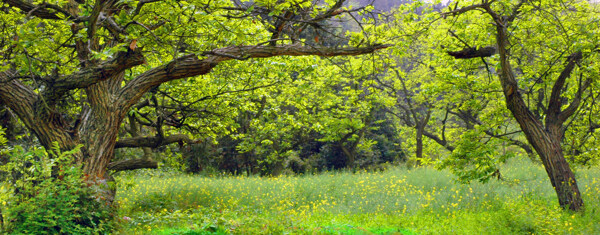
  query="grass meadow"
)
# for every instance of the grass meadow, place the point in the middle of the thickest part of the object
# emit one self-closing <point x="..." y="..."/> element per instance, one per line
<point x="397" y="201"/>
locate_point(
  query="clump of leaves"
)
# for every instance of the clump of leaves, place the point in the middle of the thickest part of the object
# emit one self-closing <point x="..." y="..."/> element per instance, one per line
<point x="46" y="194"/>
<point x="474" y="159"/>
<point x="2" y="138"/>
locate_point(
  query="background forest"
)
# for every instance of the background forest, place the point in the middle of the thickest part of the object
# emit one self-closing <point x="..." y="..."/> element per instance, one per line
<point x="468" y="109"/>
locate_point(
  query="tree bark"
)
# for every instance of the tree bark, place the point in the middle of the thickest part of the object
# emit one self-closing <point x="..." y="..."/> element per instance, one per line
<point x="46" y="124"/>
<point x="545" y="141"/>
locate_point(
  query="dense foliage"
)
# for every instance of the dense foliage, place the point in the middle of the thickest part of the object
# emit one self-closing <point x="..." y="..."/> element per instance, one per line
<point x="46" y="194"/>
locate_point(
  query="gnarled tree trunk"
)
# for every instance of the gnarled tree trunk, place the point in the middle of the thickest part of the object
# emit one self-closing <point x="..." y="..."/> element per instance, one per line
<point x="544" y="137"/>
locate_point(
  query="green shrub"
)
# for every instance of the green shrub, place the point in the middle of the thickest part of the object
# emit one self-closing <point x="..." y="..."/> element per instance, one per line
<point x="46" y="194"/>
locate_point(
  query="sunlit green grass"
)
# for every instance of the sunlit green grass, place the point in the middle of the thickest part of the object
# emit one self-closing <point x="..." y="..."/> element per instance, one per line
<point x="400" y="200"/>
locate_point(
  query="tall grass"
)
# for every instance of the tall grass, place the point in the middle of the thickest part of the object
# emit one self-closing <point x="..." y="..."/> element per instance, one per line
<point x="420" y="201"/>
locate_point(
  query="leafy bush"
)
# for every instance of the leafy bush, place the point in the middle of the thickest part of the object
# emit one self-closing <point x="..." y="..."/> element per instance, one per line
<point x="46" y="194"/>
<point x="474" y="159"/>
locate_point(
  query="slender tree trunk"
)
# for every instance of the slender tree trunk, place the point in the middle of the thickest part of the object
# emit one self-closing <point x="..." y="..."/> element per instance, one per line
<point x="419" y="152"/>
<point x="350" y="156"/>
<point x="420" y="124"/>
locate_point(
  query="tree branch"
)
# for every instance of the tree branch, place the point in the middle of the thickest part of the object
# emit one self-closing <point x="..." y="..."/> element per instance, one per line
<point x="473" y="52"/>
<point x="140" y="4"/>
<point x="18" y="97"/>
<point x="333" y="11"/>
<point x="152" y="142"/>
<point x="526" y="147"/>
<point x="84" y="78"/>
<point x="515" y="11"/>
<point x="441" y="142"/>
<point x="463" y="10"/>
<point x="98" y="8"/>
<point x="42" y="11"/>
<point x="555" y="103"/>
<point x="132" y="164"/>
<point x="191" y="65"/>
<point x="570" y="110"/>
<point x="32" y="110"/>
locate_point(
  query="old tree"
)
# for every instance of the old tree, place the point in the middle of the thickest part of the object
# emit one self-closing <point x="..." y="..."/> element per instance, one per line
<point x="72" y="69"/>
<point x="545" y="63"/>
